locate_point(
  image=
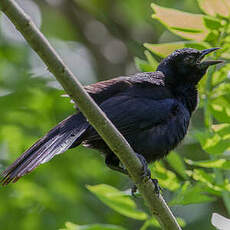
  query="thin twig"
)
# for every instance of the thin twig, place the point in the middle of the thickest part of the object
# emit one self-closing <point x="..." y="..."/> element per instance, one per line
<point x="94" y="114"/>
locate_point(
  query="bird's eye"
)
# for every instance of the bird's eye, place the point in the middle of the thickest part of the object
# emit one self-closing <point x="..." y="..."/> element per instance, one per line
<point x="189" y="59"/>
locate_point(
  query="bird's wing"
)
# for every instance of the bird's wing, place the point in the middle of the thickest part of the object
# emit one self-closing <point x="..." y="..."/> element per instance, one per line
<point x="103" y="90"/>
<point x="134" y="114"/>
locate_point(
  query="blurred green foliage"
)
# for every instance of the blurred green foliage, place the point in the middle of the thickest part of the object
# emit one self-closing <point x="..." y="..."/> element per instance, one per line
<point x="105" y="35"/>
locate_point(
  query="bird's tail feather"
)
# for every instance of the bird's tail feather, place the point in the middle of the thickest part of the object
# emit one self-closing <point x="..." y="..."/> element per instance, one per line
<point x="57" y="140"/>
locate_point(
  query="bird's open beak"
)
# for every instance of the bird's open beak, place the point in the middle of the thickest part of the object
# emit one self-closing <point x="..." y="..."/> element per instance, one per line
<point x="207" y="63"/>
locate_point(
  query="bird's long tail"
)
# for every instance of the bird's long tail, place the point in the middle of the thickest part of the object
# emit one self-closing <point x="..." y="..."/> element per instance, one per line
<point x="57" y="140"/>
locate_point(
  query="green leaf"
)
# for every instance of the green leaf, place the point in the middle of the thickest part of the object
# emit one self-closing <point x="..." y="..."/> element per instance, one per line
<point x="118" y="201"/>
<point x="153" y="222"/>
<point x="221" y="90"/>
<point x="191" y="194"/>
<point x="220" y="108"/>
<point x="150" y="222"/>
<point x="177" y="164"/>
<point x="181" y="222"/>
<point x="152" y="61"/>
<point x="165" y="49"/>
<point x="226" y="49"/>
<point x="214" y="7"/>
<point x="166" y="178"/>
<point x="206" y="178"/>
<point x="186" y="25"/>
<point x="220" y="75"/>
<point x="212" y="143"/>
<point x="143" y="65"/>
<point x="222" y="129"/>
<point x="212" y="23"/>
<point x="71" y="226"/>
<point x="219" y="163"/>
<point x="212" y="37"/>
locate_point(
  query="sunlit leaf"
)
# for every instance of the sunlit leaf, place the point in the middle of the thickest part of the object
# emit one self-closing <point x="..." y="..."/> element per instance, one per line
<point x="177" y="164"/>
<point x="213" y="143"/>
<point x="206" y="178"/>
<point x="226" y="48"/>
<point x="221" y="90"/>
<point x="150" y="222"/>
<point x="143" y="65"/>
<point x="222" y="129"/>
<point x="212" y="37"/>
<point x="214" y="7"/>
<point x="165" y="49"/>
<point x="118" y="201"/>
<point x="153" y="222"/>
<point x="221" y="75"/>
<point x="191" y="194"/>
<point x="166" y="178"/>
<point x="71" y="226"/>
<point x="212" y="23"/>
<point x="187" y="25"/>
<point x="152" y="61"/>
<point x="181" y="222"/>
<point x="220" y="108"/>
<point x="219" y="163"/>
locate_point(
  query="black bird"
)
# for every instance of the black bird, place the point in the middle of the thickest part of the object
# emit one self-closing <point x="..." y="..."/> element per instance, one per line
<point x="152" y="110"/>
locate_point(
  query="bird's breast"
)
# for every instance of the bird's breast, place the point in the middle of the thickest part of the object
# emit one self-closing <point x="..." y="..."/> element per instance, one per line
<point x="158" y="140"/>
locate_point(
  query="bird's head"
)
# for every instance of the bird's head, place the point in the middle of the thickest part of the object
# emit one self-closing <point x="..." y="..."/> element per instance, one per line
<point x="186" y="66"/>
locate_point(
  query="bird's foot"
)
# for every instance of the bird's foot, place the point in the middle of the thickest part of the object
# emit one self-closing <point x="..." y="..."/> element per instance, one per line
<point x="157" y="188"/>
<point x="146" y="174"/>
<point x="146" y="170"/>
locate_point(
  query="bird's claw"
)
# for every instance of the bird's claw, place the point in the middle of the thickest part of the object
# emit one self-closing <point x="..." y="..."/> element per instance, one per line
<point x="146" y="175"/>
<point x="146" y="170"/>
<point x="157" y="188"/>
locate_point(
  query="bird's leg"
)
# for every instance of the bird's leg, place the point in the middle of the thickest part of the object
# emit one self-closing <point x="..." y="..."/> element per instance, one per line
<point x="113" y="163"/>
<point x="146" y="170"/>
<point x="157" y="188"/>
<point x="146" y="173"/>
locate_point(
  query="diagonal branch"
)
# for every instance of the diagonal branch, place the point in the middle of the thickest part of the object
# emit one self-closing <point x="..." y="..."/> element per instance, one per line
<point x="94" y="114"/>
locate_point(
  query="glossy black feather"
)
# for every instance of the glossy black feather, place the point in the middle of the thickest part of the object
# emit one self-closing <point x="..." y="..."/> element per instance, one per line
<point x="152" y="110"/>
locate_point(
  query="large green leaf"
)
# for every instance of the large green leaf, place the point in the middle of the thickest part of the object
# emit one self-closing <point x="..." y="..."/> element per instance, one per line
<point x="187" y="25"/>
<point x="71" y="226"/>
<point x="214" y="7"/>
<point x="118" y="201"/>
<point x="165" y="49"/>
